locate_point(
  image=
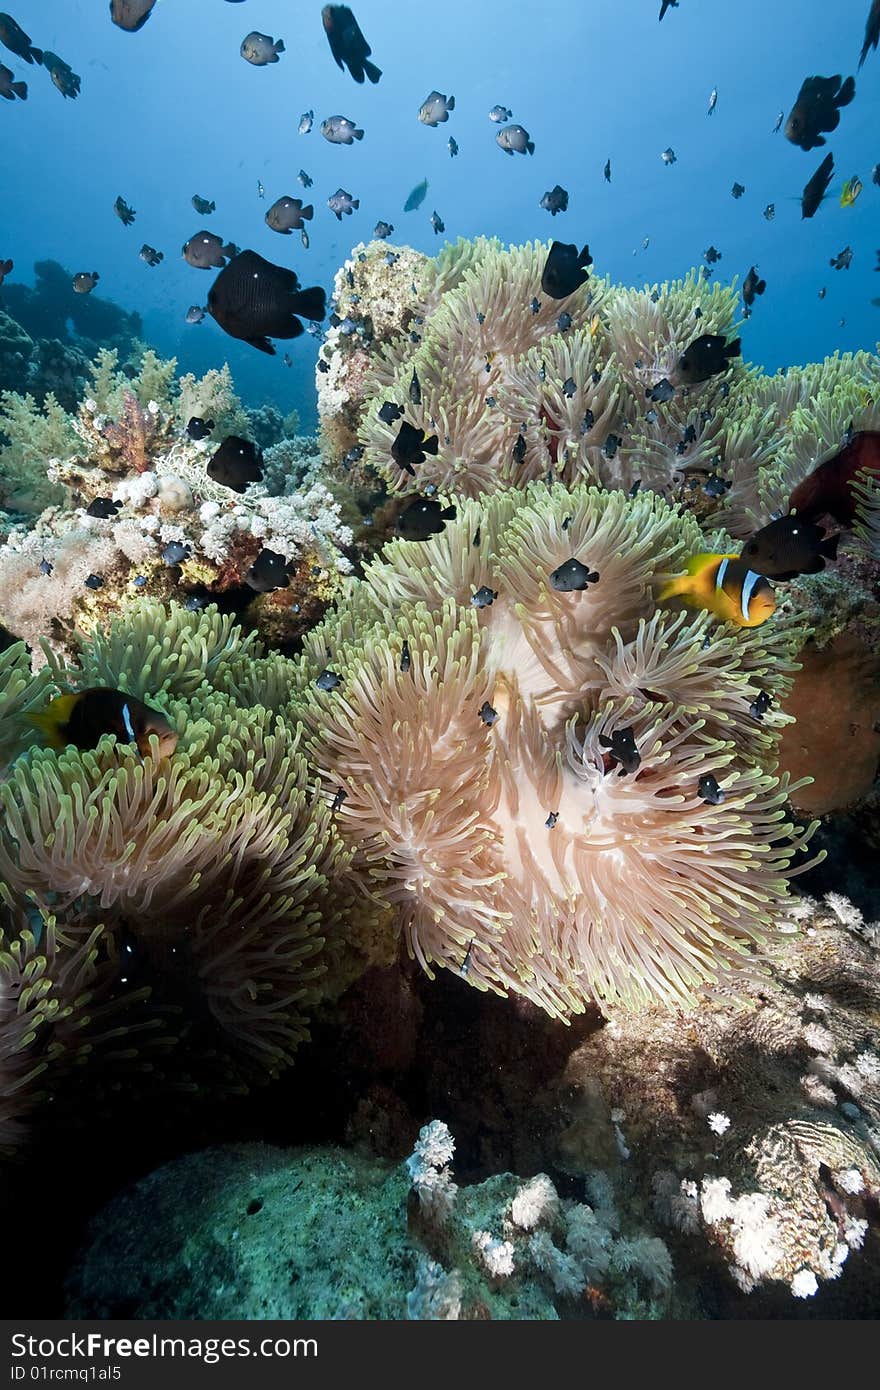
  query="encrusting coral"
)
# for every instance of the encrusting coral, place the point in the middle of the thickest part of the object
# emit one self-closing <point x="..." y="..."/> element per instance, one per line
<point x="756" y="1128"/>
<point x="214" y="876"/>
<point x="457" y="703"/>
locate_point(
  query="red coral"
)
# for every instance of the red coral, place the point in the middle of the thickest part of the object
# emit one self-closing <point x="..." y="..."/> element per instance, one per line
<point x="241" y="552"/>
<point x="133" y="436"/>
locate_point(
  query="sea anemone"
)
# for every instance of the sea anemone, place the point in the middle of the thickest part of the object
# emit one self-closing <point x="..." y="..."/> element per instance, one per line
<point x="467" y="366"/>
<point x="469" y="739"/>
<point x="214" y="877"/>
<point x="517" y="386"/>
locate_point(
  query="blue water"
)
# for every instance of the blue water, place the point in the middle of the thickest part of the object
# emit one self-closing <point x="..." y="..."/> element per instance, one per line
<point x="174" y="110"/>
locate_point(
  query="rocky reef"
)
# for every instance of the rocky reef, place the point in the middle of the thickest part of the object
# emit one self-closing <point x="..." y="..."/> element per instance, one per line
<point x="411" y="1244"/>
<point x="721" y="1166"/>
<point x="49" y="334"/>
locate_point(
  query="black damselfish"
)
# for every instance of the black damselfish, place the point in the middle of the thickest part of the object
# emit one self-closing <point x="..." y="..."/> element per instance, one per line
<point x="254" y="300"/>
<point x="872" y="31"/>
<point x="269" y="571"/>
<point x="817" y="108"/>
<point x="236" y="463"/>
<point x="347" y="43"/>
<point x="706" y="356"/>
<point x="788" y="547"/>
<point x="13" y="37"/>
<point x="816" y="187"/>
<point x="423" y="518"/>
<point x="622" y="750"/>
<point x="709" y="789"/>
<point x="411" y="446"/>
<point x="565" y="269"/>
<point x="131" y="15"/>
<point x="573" y="576"/>
<point x="103" y="507"/>
<point x="752" y="285"/>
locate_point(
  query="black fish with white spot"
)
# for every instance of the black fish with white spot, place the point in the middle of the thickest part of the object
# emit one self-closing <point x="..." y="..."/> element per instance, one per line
<point x="572" y="576"/>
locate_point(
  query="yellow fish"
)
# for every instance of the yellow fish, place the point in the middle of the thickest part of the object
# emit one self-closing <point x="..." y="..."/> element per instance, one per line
<point x="724" y="585"/>
<point x="851" y="190"/>
<point x="82" y="717"/>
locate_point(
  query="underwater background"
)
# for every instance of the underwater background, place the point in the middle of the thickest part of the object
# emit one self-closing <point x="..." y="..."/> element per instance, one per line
<point x="309" y="667"/>
<point x="175" y="111"/>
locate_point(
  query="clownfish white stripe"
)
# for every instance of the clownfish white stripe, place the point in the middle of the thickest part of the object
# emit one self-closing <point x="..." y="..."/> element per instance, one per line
<point x="748" y="589"/>
<point x="126" y="719"/>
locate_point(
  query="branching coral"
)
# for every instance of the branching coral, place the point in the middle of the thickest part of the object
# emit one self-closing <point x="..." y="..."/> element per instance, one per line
<point x="467" y="737"/>
<point x="33" y="434"/>
<point x="212" y="397"/>
<point x="170" y="526"/>
<point x="219" y="869"/>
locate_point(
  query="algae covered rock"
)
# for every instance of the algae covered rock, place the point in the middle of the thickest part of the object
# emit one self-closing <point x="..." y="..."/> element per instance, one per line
<point x="252" y="1232"/>
<point x="255" y="1232"/>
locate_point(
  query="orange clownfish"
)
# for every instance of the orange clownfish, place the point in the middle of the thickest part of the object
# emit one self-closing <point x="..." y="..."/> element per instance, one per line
<point x="83" y="716"/>
<point x="724" y="585"/>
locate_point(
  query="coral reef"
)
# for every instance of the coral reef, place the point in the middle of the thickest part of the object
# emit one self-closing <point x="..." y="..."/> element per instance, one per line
<point x="46" y="310"/>
<point x="499" y="748"/>
<point x="173" y="531"/>
<point x="459" y="701"/>
<point x="757" y="1124"/>
<point x="199" y="1238"/>
<point x="16" y="348"/>
<point x="213" y="881"/>
<point x="49" y="334"/>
